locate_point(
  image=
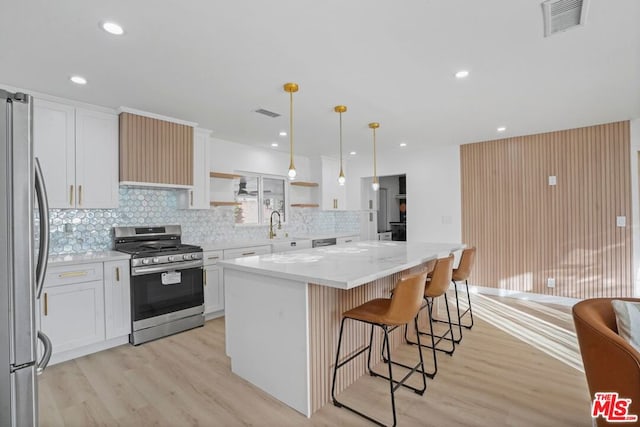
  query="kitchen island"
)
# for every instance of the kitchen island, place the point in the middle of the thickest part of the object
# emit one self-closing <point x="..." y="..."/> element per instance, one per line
<point x="283" y="312"/>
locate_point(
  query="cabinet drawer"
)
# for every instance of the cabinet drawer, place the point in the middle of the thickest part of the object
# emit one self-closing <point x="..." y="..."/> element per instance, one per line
<point x="345" y="240"/>
<point x="291" y="245"/>
<point x="212" y="257"/>
<point x="248" y="251"/>
<point x="68" y="274"/>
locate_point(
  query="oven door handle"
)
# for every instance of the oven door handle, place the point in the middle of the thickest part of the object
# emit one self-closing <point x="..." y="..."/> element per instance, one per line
<point x="138" y="271"/>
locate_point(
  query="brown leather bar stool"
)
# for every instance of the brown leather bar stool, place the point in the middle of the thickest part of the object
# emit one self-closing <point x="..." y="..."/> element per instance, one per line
<point x="436" y="287"/>
<point x="386" y="313"/>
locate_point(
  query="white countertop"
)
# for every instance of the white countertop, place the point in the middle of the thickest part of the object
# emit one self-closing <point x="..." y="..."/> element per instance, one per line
<point x="345" y="266"/>
<point x="71" y="259"/>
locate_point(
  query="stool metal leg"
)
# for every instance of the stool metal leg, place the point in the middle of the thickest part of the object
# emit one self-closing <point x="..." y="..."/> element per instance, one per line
<point x="393" y="384"/>
<point x="434" y="342"/>
<point x="459" y="323"/>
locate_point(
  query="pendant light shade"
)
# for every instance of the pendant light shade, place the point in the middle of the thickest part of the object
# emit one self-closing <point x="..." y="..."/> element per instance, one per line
<point x="291" y="88"/>
<point x="375" y="185"/>
<point x="341" y="109"/>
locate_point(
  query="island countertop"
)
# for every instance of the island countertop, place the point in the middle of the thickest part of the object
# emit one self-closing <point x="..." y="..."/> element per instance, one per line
<point x="345" y="266"/>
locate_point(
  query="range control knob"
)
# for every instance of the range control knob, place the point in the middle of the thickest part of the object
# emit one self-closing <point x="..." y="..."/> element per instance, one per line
<point x="186" y="257"/>
<point x="146" y="261"/>
<point x="171" y="258"/>
<point x="156" y="260"/>
<point x="194" y="256"/>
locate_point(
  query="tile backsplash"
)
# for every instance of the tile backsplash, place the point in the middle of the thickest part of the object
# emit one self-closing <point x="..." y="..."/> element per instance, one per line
<point x="83" y="230"/>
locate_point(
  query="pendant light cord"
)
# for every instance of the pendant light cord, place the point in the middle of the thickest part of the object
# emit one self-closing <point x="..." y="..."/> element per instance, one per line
<point x="291" y="127"/>
<point x="375" y="174"/>
<point x="341" y="142"/>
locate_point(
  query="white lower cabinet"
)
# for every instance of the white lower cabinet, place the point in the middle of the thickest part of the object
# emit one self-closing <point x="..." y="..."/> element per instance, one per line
<point x="213" y="284"/>
<point x="117" y="299"/>
<point x="86" y="308"/>
<point x="72" y="315"/>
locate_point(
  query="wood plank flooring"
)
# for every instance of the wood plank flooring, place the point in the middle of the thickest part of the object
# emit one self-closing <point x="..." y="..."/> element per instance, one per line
<point x="493" y="379"/>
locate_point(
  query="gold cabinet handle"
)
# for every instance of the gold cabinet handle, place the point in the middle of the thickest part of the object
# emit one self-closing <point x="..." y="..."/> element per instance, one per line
<point x="214" y="257"/>
<point x="117" y="274"/>
<point x="72" y="274"/>
<point x="71" y="195"/>
<point x="46" y="304"/>
<point x="205" y="277"/>
<point x="79" y="195"/>
<point x="248" y="253"/>
<point x="191" y="193"/>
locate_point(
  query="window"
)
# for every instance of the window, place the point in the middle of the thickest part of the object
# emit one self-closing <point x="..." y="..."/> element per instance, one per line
<point x="258" y="197"/>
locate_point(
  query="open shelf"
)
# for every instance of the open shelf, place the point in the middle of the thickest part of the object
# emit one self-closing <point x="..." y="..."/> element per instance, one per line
<point x="224" y="175"/>
<point x="304" y="183"/>
<point x="305" y="205"/>
<point x="216" y="203"/>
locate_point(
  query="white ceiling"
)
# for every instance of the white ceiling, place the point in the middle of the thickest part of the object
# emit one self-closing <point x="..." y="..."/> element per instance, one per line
<point x="214" y="62"/>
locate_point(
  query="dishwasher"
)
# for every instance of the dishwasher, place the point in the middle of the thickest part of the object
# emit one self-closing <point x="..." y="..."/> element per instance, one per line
<point x="317" y="243"/>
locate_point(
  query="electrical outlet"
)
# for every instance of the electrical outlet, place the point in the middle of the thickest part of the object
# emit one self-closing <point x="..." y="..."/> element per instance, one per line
<point x="551" y="282"/>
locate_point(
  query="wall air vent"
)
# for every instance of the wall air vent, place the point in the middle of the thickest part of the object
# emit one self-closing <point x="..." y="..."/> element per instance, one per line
<point x="561" y="15"/>
<point x="267" y="113"/>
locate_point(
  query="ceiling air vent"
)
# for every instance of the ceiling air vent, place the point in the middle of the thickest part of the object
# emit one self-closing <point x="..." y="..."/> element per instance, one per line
<point x="560" y="15"/>
<point x="267" y="113"/>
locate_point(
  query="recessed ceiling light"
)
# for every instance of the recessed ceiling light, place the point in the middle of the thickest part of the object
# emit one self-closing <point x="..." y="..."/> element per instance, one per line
<point x="274" y="144"/>
<point x="462" y="74"/>
<point x="283" y="133"/>
<point x="403" y="144"/>
<point x="79" y="80"/>
<point x="501" y="129"/>
<point x="112" y="28"/>
<point x="352" y="153"/>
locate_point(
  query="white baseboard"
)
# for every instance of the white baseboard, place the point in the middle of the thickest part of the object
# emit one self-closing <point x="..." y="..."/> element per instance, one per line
<point x="213" y="315"/>
<point x="88" y="349"/>
<point x="549" y="299"/>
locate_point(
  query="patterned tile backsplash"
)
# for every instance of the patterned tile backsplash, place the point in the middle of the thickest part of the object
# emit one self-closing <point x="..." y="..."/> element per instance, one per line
<point x="83" y="230"/>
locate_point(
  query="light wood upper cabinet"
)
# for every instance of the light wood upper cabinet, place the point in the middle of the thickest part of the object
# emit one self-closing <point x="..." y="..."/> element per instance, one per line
<point x="155" y="152"/>
<point x="78" y="152"/>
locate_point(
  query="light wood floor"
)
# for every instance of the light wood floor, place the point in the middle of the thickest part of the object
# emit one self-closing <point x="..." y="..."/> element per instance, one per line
<point x="493" y="379"/>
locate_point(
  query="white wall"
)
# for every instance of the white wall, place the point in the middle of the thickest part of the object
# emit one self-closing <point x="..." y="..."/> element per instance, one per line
<point x="433" y="189"/>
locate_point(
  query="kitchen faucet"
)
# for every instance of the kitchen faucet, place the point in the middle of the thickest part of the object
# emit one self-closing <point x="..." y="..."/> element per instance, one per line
<point x="272" y="233"/>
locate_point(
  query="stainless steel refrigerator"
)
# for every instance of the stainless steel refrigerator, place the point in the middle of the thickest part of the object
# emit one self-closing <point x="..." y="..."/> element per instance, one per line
<point x="21" y="271"/>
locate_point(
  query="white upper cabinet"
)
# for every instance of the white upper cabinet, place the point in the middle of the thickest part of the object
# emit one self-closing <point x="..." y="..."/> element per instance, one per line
<point x="78" y="152"/>
<point x="198" y="196"/>
<point x="96" y="159"/>
<point x="333" y="194"/>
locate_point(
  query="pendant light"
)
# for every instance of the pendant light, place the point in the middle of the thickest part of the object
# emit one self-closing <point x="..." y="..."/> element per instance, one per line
<point x="375" y="185"/>
<point x="341" y="109"/>
<point x="291" y="88"/>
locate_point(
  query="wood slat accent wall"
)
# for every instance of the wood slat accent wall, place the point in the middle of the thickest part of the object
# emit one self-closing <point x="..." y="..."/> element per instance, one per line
<point x="155" y="151"/>
<point x="326" y="306"/>
<point x="527" y="231"/>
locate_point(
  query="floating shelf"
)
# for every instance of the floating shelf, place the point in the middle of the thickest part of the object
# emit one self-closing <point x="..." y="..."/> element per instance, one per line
<point x="304" y="184"/>
<point x="218" y="203"/>
<point x="305" y="205"/>
<point x="224" y="175"/>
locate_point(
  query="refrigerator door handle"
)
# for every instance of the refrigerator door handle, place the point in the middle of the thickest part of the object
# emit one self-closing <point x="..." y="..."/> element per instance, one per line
<point x="48" y="349"/>
<point x="43" y="210"/>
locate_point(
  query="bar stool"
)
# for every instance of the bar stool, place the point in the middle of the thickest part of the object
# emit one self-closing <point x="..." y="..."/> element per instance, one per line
<point x="386" y="313"/>
<point x="435" y="287"/>
<point x="458" y="275"/>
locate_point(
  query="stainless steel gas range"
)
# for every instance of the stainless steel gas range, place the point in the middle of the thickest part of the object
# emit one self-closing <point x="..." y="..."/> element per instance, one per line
<point x="167" y="293"/>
